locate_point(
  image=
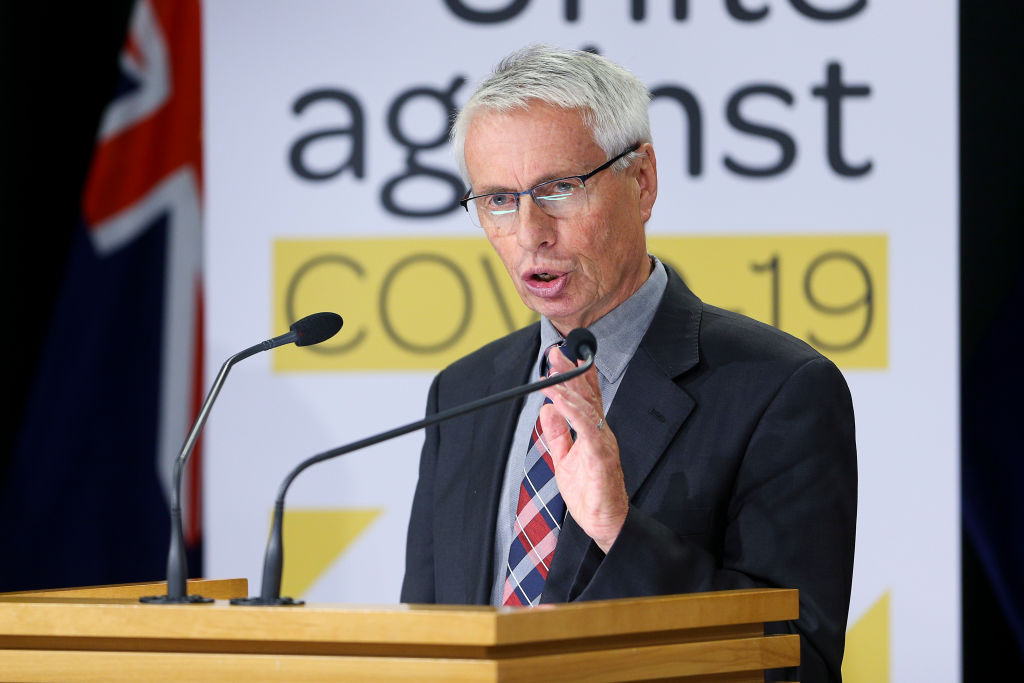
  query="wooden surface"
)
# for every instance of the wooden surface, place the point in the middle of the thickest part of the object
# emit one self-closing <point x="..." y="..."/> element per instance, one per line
<point x="60" y="636"/>
<point x="219" y="589"/>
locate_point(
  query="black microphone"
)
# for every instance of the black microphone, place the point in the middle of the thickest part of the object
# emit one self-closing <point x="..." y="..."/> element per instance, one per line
<point x="579" y="344"/>
<point x="312" y="329"/>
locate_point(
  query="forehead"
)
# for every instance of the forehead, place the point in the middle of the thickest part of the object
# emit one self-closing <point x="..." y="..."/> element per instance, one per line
<point x="522" y="147"/>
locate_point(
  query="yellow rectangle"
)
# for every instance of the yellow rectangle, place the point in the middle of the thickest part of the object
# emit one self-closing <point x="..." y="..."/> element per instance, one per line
<point x="407" y="303"/>
<point x="419" y="304"/>
<point x="829" y="290"/>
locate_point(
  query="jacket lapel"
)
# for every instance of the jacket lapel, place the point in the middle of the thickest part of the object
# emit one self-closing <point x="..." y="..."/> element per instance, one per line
<point x="650" y="408"/>
<point x="648" y="411"/>
<point x="488" y="455"/>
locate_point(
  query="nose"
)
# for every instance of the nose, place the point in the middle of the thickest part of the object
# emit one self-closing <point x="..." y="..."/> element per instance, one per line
<point x="536" y="229"/>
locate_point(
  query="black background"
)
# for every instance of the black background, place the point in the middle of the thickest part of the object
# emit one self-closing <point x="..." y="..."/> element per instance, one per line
<point x="58" y="66"/>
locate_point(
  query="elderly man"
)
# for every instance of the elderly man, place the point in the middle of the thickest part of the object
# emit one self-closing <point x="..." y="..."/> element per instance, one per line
<point x="707" y="451"/>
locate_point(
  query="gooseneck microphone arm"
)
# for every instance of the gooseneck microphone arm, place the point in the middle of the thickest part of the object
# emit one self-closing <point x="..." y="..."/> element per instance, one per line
<point x="580" y="343"/>
<point x="312" y="329"/>
<point x="177" y="565"/>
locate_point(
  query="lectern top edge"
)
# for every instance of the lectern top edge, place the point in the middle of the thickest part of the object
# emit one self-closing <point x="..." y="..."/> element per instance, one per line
<point x="411" y="624"/>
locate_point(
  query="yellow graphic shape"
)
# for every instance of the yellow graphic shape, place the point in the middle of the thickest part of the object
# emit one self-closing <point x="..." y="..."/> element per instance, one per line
<point x="829" y="290"/>
<point x="867" y="646"/>
<point x="419" y="304"/>
<point x="408" y="304"/>
<point x="314" y="538"/>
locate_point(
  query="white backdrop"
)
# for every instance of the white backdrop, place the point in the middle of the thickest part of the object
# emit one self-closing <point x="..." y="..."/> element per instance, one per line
<point x="367" y="81"/>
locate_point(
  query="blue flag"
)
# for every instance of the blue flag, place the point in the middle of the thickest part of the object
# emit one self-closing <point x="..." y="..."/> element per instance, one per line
<point x="85" y="495"/>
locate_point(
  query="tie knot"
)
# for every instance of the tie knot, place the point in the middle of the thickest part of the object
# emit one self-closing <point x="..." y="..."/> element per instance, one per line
<point x="545" y="364"/>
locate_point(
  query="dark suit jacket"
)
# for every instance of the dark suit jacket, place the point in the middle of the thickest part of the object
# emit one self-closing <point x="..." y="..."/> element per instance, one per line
<point x="737" y="444"/>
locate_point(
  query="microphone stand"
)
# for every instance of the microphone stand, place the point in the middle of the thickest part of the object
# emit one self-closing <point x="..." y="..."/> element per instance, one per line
<point x="177" y="565"/>
<point x="312" y="329"/>
<point x="273" y="560"/>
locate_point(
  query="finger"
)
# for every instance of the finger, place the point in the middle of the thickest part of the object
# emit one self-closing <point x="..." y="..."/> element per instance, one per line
<point x="556" y="434"/>
<point x="584" y="413"/>
<point x="572" y="403"/>
<point x="557" y="360"/>
<point x="586" y="385"/>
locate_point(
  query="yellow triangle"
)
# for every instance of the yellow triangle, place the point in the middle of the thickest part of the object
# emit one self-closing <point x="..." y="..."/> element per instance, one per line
<point x="314" y="538"/>
<point x="867" y="646"/>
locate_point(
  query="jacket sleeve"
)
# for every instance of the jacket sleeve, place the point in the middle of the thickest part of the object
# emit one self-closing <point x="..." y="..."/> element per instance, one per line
<point x="790" y="522"/>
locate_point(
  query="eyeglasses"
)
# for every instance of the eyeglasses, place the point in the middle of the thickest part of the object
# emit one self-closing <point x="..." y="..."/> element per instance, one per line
<point x="559" y="198"/>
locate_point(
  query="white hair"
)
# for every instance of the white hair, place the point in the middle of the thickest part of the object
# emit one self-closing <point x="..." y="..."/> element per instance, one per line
<point x="611" y="100"/>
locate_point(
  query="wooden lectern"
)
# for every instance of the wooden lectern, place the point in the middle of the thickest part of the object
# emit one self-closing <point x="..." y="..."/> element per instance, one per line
<point x="105" y="634"/>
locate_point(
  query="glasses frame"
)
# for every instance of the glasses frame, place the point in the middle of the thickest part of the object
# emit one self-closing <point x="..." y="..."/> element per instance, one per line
<point x="464" y="202"/>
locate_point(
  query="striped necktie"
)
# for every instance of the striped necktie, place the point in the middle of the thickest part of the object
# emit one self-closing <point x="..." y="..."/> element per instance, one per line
<point x="539" y="515"/>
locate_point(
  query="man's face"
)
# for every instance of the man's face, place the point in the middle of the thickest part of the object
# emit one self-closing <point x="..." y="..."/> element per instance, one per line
<point x="573" y="270"/>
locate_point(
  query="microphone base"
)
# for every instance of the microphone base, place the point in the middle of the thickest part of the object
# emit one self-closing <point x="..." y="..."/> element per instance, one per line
<point x="259" y="601"/>
<point x="168" y="600"/>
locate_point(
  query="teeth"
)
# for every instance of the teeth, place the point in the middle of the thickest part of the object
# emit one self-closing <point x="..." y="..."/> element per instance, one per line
<point x="545" y="277"/>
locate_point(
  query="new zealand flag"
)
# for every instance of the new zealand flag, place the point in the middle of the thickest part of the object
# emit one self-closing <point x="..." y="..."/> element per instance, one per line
<point x="86" y="492"/>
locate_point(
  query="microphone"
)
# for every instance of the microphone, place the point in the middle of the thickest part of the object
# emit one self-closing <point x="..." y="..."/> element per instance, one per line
<point x="312" y="329"/>
<point x="579" y="344"/>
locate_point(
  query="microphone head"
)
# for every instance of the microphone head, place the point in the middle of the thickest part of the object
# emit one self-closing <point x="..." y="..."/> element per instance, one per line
<point x="316" y="328"/>
<point x="579" y="344"/>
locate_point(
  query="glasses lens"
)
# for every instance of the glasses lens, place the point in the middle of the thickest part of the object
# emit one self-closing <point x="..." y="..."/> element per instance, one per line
<point x="561" y="198"/>
<point x="492" y="210"/>
<point x="557" y="198"/>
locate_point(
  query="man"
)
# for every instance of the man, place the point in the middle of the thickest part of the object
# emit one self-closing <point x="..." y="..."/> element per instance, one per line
<point x="707" y="451"/>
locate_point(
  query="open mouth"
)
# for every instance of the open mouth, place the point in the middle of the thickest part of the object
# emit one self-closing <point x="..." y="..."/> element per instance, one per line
<point x="545" y="283"/>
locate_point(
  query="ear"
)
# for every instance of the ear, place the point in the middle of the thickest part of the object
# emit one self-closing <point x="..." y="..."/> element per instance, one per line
<point x="647" y="180"/>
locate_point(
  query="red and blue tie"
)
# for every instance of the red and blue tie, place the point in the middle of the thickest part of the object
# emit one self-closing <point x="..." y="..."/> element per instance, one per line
<point x="539" y="515"/>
